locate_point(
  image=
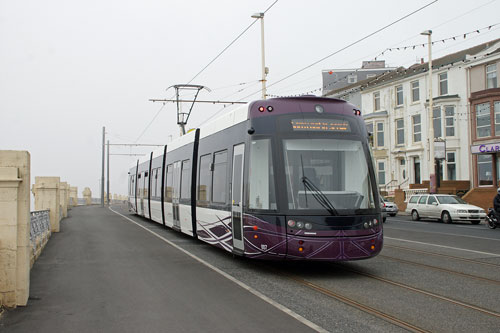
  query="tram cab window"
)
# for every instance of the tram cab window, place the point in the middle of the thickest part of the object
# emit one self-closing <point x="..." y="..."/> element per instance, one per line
<point x="219" y="187"/>
<point x="262" y="194"/>
<point x="186" y="180"/>
<point x="170" y="180"/>
<point x="335" y="169"/>
<point x="204" y="178"/>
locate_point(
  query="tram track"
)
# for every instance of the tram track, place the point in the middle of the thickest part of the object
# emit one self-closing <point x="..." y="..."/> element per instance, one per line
<point x="375" y="312"/>
<point x="414" y="263"/>
<point x="443" y="255"/>
<point x="420" y="291"/>
<point x="353" y="303"/>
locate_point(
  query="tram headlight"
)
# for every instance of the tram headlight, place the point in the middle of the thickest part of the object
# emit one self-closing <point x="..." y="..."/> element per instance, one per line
<point x="370" y="224"/>
<point x="375" y="222"/>
<point x="300" y="224"/>
<point x="291" y="223"/>
<point x="308" y="226"/>
<point x="365" y="225"/>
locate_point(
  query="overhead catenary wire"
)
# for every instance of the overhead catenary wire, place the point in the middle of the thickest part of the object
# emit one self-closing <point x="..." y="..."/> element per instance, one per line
<point x="230" y="44"/>
<point x="439" y="42"/>
<point x="345" y="47"/>
<point x="206" y="66"/>
<point x="372" y="55"/>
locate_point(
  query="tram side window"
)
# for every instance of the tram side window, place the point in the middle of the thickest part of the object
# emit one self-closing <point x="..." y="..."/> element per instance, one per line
<point x="186" y="180"/>
<point x="140" y="182"/>
<point x="219" y="187"/>
<point x="262" y="194"/>
<point x="154" y="190"/>
<point x="146" y="185"/>
<point x="204" y="179"/>
<point x="170" y="181"/>
<point x="130" y="186"/>
<point x="133" y="186"/>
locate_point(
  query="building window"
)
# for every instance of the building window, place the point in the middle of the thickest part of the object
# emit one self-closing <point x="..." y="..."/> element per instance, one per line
<point x="496" y="107"/>
<point x="399" y="95"/>
<point x="484" y="170"/>
<point x="483" y="121"/>
<point x="451" y="166"/>
<point x="415" y="91"/>
<point x="491" y="76"/>
<point x="381" y="173"/>
<point x="380" y="134"/>
<point x="443" y="84"/>
<point x="369" y="127"/>
<point x="436" y="121"/>
<point x="219" y="188"/>
<point x="417" y="128"/>
<point x="186" y="180"/>
<point x="352" y="78"/>
<point x="400" y="131"/>
<point x="204" y="178"/>
<point x="449" y="120"/>
<point x="376" y="100"/>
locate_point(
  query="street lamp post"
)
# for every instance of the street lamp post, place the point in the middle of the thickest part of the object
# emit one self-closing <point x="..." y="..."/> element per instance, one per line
<point x="432" y="164"/>
<point x="264" y="69"/>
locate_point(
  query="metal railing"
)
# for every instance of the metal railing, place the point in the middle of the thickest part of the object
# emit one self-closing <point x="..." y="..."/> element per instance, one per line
<point x="39" y="232"/>
<point x="411" y="191"/>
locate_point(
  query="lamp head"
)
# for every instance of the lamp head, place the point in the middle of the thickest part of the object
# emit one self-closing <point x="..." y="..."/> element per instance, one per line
<point x="258" y="15"/>
<point x="426" y="32"/>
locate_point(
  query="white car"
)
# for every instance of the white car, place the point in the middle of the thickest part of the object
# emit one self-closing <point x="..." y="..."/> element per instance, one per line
<point x="390" y="207"/>
<point x="444" y="207"/>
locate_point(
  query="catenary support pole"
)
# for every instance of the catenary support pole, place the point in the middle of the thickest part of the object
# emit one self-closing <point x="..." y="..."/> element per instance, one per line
<point x="103" y="161"/>
<point x="107" y="177"/>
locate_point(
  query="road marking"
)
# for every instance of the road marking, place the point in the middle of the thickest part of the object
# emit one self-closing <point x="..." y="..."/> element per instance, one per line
<point x="447" y="233"/>
<point x="405" y="221"/>
<point x="443" y="246"/>
<point x="229" y="277"/>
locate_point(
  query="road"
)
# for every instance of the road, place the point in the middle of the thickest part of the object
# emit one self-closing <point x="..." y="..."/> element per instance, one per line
<point x="430" y="277"/>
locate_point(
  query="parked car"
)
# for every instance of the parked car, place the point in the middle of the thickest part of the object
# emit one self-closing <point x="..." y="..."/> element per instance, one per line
<point x="390" y="207"/>
<point x="384" y="209"/>
<point x="444" y="207"/>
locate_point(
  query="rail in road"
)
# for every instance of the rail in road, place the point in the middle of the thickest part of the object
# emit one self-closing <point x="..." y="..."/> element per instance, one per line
<point x="429" y="277"/>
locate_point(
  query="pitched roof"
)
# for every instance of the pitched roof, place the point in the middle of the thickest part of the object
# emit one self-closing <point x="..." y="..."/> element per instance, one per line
<point x="416" y="69"/>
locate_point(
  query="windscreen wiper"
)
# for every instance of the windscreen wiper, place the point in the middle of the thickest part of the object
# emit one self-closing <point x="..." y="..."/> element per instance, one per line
<point x="316" y="192"/>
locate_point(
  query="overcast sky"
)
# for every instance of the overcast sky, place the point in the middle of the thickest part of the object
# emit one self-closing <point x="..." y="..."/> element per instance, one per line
<point x="69" y="67"/>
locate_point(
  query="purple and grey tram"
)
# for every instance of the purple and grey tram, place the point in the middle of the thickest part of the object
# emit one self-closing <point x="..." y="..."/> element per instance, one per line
<point x="283" y="178"/>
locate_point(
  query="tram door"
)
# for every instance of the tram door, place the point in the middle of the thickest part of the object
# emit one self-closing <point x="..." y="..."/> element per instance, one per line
<point x="237" y="197"/>
<point x="176" y="194"/>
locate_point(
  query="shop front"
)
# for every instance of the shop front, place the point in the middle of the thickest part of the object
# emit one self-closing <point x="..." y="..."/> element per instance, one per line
<point x="486" y="160"/>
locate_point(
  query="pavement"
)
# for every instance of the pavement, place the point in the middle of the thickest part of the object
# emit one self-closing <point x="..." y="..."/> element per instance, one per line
<point x="102" y="273"/>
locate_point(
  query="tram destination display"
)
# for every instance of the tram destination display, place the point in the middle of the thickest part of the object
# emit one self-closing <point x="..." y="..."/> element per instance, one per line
<point x="321" y="125"/>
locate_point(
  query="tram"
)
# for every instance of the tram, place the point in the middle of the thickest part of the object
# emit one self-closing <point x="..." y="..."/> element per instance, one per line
<point x="283" y="178"/>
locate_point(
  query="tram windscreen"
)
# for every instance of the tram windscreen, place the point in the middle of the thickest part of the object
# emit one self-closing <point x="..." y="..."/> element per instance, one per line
<point x="331" y="170"/>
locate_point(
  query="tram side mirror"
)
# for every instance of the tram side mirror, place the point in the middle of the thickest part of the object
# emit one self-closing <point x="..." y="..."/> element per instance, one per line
<point x="251" y="130"/>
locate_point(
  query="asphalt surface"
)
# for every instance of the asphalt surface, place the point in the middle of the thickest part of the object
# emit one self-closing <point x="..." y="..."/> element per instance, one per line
<point x="102" y="273"/>
<point x="436" y="277"/>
